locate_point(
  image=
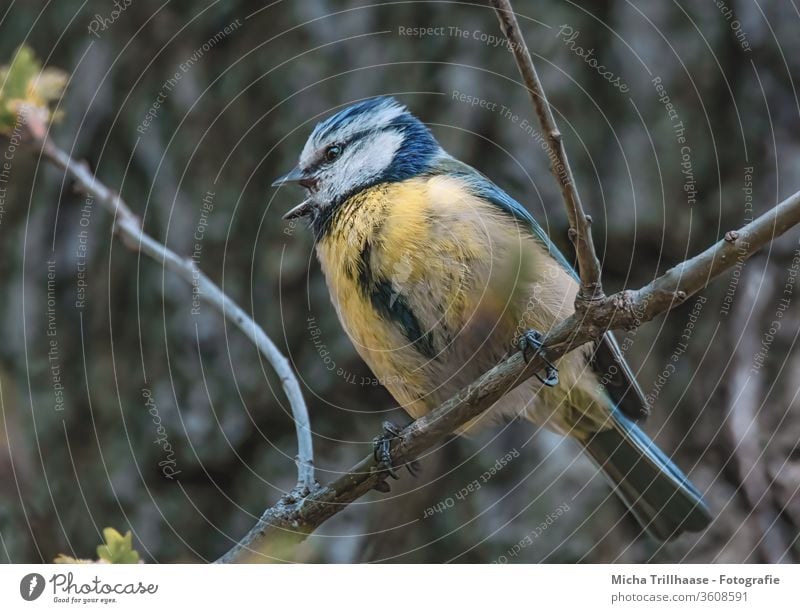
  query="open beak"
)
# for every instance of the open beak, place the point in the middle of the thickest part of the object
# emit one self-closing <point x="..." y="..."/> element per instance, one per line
<point x="301" y="210"/>
<point x="298" y="177"/>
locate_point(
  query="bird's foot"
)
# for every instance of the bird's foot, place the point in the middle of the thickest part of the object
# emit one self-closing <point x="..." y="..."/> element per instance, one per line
<point x="382" y="448"/>
<point x="382" y="452"/>
<point x="531" y="345"/>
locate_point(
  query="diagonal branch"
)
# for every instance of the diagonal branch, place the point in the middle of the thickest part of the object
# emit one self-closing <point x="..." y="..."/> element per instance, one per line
<point x="129" y="228"/>
<point x="580" y="232"/>
<point x="291" y="520"/>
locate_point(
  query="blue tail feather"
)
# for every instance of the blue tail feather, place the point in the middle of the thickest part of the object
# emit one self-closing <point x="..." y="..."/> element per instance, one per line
<point x="658" y="494"/>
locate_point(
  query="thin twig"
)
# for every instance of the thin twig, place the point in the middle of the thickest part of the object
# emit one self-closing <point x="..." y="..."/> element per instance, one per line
<point x="129" y="228"/>
<point x="292" y="520"/>
<point x="591" y="290"/>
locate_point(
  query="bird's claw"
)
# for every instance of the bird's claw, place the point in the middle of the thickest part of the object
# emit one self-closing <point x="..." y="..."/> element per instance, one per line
<point x="382" y="452"/>
<point x="382" y="448"/>
<point x="531" y="342"/>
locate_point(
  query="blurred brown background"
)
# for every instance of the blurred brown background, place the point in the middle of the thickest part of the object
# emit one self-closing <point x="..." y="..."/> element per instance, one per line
<point x="236" y="117"/>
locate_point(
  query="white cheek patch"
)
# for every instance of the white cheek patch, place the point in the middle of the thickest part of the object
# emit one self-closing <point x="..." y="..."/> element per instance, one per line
<point x="364" y="163"/>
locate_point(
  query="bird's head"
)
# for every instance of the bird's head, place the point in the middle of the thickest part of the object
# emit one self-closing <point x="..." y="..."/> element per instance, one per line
<point x="374" y="141"/>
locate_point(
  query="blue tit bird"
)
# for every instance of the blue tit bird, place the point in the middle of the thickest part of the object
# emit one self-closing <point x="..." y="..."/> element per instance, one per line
<point x="434" y="271"/>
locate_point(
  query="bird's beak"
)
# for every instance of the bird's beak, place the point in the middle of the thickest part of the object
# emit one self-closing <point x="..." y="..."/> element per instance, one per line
<point x="293" y="176"/>
<point x="299" y="177"/>
<point x="296" y="176"/>
<point x="301" y="210"/>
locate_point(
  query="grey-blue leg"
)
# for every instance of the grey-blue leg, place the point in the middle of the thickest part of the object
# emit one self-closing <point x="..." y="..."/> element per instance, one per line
<point x="531" y="345"/>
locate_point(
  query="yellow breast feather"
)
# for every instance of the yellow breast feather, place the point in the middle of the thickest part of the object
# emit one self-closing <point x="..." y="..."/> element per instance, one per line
<point x="433" y="284"/>
<point x="418" y="267"/>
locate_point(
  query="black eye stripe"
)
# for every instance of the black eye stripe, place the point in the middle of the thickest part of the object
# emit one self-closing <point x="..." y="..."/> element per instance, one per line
<point x="320" y="158"/>
<point x="350" y="139"/>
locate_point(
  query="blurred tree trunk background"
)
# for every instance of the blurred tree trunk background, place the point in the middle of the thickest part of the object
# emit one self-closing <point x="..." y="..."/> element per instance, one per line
<point x="190" y="109"/>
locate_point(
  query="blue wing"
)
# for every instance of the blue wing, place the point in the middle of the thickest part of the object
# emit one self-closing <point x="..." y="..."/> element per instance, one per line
<point x="607" y="359"/>
<point x="485" y="189"/>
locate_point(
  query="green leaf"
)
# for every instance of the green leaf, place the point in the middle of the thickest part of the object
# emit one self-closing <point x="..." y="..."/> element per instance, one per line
<point x="118" y="549"/>
<point x="23" y="82"/>
<point x="14" y="78"/>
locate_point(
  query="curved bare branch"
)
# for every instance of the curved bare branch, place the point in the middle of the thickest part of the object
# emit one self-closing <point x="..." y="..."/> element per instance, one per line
<point x="129" y="228"/>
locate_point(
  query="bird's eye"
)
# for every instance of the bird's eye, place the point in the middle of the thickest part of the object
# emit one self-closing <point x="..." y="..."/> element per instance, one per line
<point x="333" y="152"/>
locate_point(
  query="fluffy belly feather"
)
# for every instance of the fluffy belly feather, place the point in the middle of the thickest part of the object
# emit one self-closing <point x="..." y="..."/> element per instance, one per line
<point x="433" y="287"/>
